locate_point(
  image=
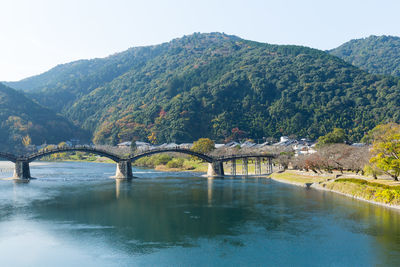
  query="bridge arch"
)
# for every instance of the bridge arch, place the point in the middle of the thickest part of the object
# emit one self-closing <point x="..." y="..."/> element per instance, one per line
<point x="202" y="156"/>
<point x="8" y="156"/>
<point x="91" y="150"/>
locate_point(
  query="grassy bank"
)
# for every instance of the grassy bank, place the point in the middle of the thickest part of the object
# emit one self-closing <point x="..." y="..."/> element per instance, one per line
<point x="379" y="191"/>
<point x="373" y="191"/>
<point x="299" y="178"/>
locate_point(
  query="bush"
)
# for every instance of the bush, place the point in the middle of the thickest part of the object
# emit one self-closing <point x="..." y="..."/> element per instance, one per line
<point x="364" y="182"/>
<point x="203" y="145"/>
<point x="386" y="195"/>
<point x="373" y="191"/>
<point x="144" y="162"/>
<point x="354" y="181"/>
<point x="161" y="159"/>
<point x="175" y="163"/>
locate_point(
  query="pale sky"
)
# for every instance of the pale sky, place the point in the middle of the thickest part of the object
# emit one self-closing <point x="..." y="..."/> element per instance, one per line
<point x="36" y="35"/>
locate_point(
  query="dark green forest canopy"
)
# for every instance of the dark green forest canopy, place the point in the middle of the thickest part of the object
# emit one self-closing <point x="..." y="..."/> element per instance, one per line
<point x="206" y="85"/>
<point x="20" y="116"/>
<point x="375" y="54"/>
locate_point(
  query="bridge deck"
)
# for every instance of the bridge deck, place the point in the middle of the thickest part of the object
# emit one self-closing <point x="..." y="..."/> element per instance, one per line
<point x="117" y="158"/>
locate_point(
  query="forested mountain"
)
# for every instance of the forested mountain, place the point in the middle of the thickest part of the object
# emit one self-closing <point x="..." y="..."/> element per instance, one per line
<point x="20" y="117"/>
<point x="218" y="86"/>
<point x="375" y="54"/>
<point x="62" y="85"/>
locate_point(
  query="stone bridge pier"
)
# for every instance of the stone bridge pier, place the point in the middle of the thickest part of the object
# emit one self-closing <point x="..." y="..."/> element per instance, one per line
<point x="22" y="170"/>
<point x="124" y="170"/>
<point x="215" y="168"/>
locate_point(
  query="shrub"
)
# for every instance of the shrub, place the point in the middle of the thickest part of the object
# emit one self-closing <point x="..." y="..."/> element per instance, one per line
<point x="379" y="192"/>
<point x="162" y="159"/>
<point x="175" y="163"/>
<point x="387" y="195"/>
<point x="144" y="162"/>
<point x="354" y="181"/>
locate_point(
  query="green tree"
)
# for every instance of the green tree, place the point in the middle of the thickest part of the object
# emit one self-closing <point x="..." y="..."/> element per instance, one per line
<point x="371" y="169"/>
<point x="26" y="141"/>
<point x="152" y="138"/>
<point x="62" y="145"/>
<point x="62" y="155"/>
<point x="203" y="145"/>
<point x="386" y="149"/>
<point x="336" y="136"/>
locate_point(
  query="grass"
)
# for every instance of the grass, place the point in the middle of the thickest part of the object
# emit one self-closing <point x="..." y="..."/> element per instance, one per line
<point x="376" y="191"/>
<point x="294" y="177"/>
<point x="382" y="191"/>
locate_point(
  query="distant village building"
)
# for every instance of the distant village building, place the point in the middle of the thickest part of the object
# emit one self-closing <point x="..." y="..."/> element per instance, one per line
<point x="124" y="144"/>
<point x="285" y="141"/>
<point x="303" y="149"/>
<point x="74" y="142"/>
<point x="358" y="144"/>
<point x="247" y="144"/>
<point x="267" y="143"/>
<point x="186" y="145"/>
<point x="232" y="144"/>
<point x="142" y="146"/>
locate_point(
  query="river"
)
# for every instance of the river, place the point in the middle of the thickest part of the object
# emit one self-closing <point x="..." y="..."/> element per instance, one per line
<point x="74" y="214"/>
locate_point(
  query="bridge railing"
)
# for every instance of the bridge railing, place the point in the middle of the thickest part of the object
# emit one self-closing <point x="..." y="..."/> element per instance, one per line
<point x="210" y="156"/>
<point x="171" y="149"/>
<point x="61" y="149"/>
<point x="9" y="156"/>
<point x="89" y="148"/>
<point x="238" y="156"/>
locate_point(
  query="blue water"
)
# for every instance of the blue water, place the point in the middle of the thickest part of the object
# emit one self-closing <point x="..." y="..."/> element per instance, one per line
<point x="74" y="214"/>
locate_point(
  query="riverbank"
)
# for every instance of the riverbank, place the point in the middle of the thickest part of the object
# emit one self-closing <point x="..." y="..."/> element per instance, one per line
<point x="381" y="192"/>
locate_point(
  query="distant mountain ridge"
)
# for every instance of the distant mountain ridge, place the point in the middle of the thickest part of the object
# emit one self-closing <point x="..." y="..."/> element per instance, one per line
<point x="212" y="85"/>
<point x="61" y="85"/>
<point x="375" y="54"/>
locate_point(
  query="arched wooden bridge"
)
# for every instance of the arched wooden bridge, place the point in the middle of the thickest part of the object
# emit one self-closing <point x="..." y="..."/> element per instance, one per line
<point x="88" y="149"/>
<point x="124" y="163"/>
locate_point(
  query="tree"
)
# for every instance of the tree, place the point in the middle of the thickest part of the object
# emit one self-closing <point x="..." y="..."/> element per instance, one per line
<point x="62" y="145"/>
<point x="284" y="159"/>
<point x="370" y="169"/>
<point x="62" y="155"/>
<point x="334" y="157"/>
<point x="386" y="149"/>
<point x="203" y="145"/>
<point x="237" y="134"/>
<point x="152" y="138"/>
<point x="357" y="159"/>
<point x="26" y="141"/>
<point x="336" y="136"/>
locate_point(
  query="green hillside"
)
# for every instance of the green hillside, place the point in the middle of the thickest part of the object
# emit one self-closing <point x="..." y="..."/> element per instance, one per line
<point x="219" y="86"/>
<point x="375" y="54"/>
<point x="62" y="85"/>
<point x="20" y="116"/>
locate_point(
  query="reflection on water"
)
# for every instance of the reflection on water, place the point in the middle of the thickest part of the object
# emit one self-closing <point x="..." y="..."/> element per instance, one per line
<point x="75" y="214"/>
